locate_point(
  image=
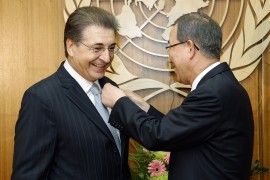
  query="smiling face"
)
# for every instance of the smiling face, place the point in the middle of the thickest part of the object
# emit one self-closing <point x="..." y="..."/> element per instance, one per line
<point x="89" y="64"/>
<point x="179" y="58"/>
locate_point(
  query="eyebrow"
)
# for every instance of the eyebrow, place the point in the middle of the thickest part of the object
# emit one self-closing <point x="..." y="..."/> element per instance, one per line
<point x="101" y="44"/>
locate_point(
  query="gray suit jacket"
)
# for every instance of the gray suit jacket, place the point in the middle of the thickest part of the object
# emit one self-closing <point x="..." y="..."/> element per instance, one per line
<point x="210" y="135"/>
<point x="60" y="135"/>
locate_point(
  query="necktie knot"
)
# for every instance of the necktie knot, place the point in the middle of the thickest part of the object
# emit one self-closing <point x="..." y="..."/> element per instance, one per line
<point x="95" y="89"/>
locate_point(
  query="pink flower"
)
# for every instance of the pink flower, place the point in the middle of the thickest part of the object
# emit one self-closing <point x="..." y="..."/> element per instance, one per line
<point x="167" y="158"/>
<point x="156" y="168"/>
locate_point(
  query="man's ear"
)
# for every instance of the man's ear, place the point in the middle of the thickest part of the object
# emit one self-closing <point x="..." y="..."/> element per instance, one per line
<point x="191" y="47"/>
<point x="70" y="44"/>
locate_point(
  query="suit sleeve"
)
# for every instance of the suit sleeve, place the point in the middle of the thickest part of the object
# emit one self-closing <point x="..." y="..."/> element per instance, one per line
<point x="186" y="126"/>
<point x="154" y="112"/>
<point x="35" y="139"/>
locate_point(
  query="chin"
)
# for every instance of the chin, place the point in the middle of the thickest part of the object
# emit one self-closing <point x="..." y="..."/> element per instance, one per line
<point x="94" y="77"/>
<point x="100" y="75"/>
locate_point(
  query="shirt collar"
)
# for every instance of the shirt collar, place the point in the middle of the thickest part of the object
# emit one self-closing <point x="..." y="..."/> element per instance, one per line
<point x="202" y="74"/>
<point x="85" y="84"/>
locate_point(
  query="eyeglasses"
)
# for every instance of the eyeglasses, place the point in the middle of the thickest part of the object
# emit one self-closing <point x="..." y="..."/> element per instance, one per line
<point x="170" y="46"/>
<point x="97" y="49"/>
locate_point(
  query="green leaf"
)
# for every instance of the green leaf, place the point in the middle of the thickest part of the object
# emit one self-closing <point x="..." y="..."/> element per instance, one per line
<point x="257" y="169"/>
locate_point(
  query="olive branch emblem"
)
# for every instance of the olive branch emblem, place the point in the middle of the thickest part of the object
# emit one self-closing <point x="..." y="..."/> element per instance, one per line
<point x="245" y="54"/>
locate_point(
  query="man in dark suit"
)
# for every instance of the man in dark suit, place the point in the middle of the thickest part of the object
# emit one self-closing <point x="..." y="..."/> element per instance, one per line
<point x="60" y="133"/>
<point x="210" y="135"/>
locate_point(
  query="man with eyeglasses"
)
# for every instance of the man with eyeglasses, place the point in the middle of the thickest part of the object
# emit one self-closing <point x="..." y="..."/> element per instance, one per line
<point x="210" y="135"/>
<point x="62" y="132"/>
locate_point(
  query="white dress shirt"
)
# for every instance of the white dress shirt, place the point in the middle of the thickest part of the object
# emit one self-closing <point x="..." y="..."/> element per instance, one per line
<point x="85" y="84"/>
<point x="202" y="74"/>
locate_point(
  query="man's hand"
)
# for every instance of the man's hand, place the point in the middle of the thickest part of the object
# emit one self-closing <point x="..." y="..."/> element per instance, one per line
<point x="110" y="94"/>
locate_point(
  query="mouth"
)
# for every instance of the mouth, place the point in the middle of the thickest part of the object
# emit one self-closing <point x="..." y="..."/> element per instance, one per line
<point x="99" y="65"/>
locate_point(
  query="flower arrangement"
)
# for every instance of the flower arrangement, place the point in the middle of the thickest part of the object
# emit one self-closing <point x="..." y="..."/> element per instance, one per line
<point x="148" y="165"/>
<point x="153" y="165"/>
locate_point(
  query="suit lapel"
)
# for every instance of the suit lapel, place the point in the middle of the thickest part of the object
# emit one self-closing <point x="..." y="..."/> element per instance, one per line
<point x="216" y="70"/>
<point x="78" y="97"/>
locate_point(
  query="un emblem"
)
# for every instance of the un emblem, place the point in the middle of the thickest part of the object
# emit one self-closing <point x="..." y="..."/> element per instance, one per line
<point x="144" y="32"/>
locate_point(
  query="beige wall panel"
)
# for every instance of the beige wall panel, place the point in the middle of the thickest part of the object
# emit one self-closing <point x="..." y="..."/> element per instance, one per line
<point x="265" y="120"/>
<point x="31" y="46"/>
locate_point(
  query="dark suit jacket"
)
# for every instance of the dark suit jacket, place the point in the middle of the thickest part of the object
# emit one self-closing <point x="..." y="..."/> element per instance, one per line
<point x="60" y="135"/>
<point x="210" y="135"/>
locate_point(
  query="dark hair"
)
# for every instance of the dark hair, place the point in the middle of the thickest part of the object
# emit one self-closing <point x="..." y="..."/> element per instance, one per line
<point x="202" y="30"/>
<point x="84" y="17"/>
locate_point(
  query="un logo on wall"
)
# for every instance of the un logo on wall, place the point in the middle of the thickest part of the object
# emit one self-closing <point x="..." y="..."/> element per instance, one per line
<point x="144" y="32"/>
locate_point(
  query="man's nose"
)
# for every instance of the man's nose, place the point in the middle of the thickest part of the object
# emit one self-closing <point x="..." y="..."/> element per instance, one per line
<point x="106" y="55"/>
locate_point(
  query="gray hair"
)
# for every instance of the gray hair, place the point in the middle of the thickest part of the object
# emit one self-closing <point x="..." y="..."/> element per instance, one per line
<point x="83" y="17"/>
<point x="202" y="30"/>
